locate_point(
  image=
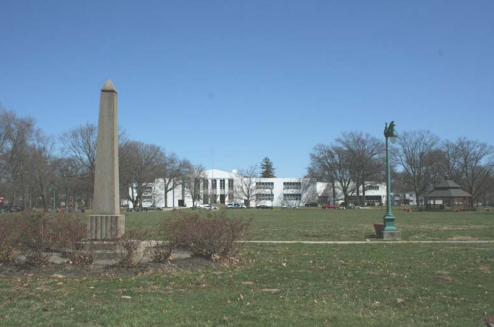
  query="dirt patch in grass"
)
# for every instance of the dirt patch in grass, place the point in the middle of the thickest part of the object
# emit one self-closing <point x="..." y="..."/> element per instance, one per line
<point x="448" y="228"/>
<point x="463" y="238"/>
<point x="444" y="276"/>
<point x="66" y="270"/>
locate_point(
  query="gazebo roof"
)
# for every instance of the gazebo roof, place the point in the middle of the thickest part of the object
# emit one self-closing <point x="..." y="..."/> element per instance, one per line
<point x="447" y="184"/>
<point x="448" y="189"/>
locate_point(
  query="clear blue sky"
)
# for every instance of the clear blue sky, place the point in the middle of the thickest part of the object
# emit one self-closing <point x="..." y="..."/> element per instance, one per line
<point x="252" y="78"/>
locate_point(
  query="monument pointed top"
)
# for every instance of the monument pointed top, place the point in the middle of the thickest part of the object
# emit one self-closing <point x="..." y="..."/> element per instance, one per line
<point x="108" y="87"/>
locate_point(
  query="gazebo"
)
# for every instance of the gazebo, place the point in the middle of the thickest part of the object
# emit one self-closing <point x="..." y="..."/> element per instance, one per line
<point x="447" y="193"/>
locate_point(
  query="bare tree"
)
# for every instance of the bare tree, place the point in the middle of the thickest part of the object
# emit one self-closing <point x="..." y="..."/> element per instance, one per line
<point x="333" y="164"/>
<point x="367" y="159"/>
<point x="173" y="170"/>
<point x="43" y="167"/>
<point x="140" y="168"/>
<point x="245" y="186"/>
<point x="16" y="135"/>
<point x="417" y="153"/>
<point x="69" y="183"/>
<point x="192" y="182"/>
<point x="320" y="168"/>
<point x="474" y="162"/>
<point x="80" y="144"/>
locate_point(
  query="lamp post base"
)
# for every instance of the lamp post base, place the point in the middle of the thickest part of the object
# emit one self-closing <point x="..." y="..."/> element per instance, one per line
<point x="391" y="235"/>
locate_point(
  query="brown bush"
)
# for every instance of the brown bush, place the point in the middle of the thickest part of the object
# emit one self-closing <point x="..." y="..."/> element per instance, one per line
<point x="206" y="236"/>
<point x="9" y="238"/>
<point x="162" y="251"/>
<point x="174" y="234"/>
<point x="37" y="235"/>
<point x="128" y="246"/>
<point x="71" y="229"/>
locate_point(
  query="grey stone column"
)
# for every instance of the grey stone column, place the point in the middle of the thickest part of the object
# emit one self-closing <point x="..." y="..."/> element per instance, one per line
<point x="106" y="222"/>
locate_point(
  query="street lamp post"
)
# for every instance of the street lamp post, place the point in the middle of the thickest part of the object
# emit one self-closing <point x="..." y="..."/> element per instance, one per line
<point x="53" y="201"/>
<point x="390" y="232"/>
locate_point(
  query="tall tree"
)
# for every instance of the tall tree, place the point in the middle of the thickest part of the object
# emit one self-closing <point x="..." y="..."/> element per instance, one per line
<point x="417" y="153"/>
<point x="80" y="144"/>
<point x="141" y="168"/>
<point x="43" y="171"/>
<point x="474" y="162"/>
<point x="245" y="187"/>
<point x="16" y="137"/>
<point x="367" y="159"/>
<point x="333" y="164"/>
<point x="267" y="168"/>
<point x="192" y="182"/>
<point x="173" y="170"/>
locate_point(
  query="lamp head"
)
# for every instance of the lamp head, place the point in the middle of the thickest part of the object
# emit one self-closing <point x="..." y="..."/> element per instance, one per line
<point x="391" y="132"/>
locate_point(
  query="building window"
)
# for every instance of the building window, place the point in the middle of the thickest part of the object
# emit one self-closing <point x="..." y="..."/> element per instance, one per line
<point x="292" y="197"/>
<point x="215" y="184"/>
<point x="230" y="184"/>
<point x="205" y="185"/>
<point x="292" y="185"/>
<point x="147" y="191"/>
<point x="264" y="197"/>
<point x="264" y="185"/>
<point x="373" y="198"/>
<point x="222" y="184"/>
<point x="372" y="188"/>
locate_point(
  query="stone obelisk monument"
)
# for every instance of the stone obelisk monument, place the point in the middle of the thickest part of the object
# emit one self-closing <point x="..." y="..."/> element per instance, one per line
<point x="106" y="223"/>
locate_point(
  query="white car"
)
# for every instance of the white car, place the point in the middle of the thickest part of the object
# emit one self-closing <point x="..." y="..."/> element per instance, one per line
<point x="207" y="207"/>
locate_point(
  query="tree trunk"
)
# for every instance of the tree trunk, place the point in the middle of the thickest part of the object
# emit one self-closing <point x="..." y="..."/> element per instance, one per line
<point x="166" y="196"/>
<point x="358" y="190"/>
<point x="363" y="194"/>
<point x="333" y="185"/>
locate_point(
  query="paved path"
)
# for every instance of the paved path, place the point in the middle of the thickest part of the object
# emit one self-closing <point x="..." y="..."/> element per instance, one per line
<point x="369" y="242"/>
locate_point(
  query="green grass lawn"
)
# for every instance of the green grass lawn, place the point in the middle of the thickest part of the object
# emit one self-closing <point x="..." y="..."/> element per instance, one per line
<point x="283" y="285"/>
<point x="311" y="224"/>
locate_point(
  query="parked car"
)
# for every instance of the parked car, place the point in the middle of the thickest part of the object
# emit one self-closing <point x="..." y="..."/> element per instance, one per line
<point x="327" y="206"/>
<point x="263" y="206"/>
<point x="236" y="206"/>
<point x="289" y="206"/>
<point x="12" y="208"/>
<point x="311" y="204"/>
<point x="153" y="207"/>
<point x="207" y="207"/>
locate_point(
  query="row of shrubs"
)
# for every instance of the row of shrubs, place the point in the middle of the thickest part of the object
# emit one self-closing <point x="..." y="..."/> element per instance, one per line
<point x="211" y="235"/>
<point x="37" y="235"/>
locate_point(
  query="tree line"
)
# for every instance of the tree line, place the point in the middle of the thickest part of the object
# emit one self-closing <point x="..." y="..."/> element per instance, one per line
<point x="419" y="160"/>
<point x="34" y="164"/>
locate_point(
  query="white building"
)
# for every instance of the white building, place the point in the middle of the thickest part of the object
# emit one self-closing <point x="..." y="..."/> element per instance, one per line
<point x="375" y="194"/>
<point x="223" y="187"/>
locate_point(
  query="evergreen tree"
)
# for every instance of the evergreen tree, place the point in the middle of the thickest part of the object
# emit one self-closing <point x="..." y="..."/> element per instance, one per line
<point x="267" y="169"/>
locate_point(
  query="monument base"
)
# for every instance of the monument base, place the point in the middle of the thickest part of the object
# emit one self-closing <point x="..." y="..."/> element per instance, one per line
<point x="391" y="235"/>
<point x="105" y="227"/>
